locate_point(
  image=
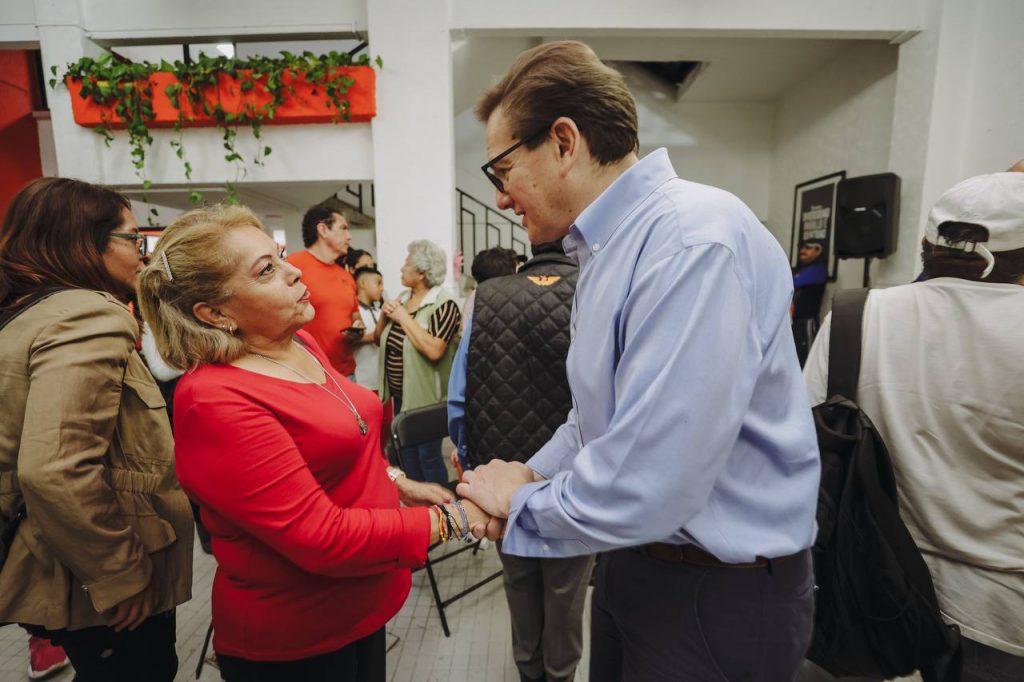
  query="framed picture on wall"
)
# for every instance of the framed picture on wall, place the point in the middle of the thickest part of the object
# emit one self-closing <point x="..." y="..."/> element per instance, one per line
<point x="814" y="223"/>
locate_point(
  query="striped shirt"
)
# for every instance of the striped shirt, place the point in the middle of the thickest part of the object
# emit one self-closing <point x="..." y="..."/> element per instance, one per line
<point x="444" y="324"/>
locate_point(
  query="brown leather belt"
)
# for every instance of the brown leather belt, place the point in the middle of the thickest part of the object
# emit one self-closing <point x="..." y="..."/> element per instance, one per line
<point x="695" y="556"/>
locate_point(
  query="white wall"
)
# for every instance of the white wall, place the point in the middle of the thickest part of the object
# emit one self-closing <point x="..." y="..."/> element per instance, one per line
<point x="959" y="108"/>
<point x="47" y="152"/>
<point x="133" y="19"/>
<point x="840" y="118"/>
<point x="728" y="145"/>
<point x="866" y="18"/>
<point x="301" y="153"/>
<point x="18" y="24"/>
<point x="413" y="150"/>
<point x="992" y="88"/>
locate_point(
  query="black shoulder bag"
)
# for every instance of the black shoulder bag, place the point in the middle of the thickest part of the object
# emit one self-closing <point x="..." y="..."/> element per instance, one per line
<point x="876" y="613"/>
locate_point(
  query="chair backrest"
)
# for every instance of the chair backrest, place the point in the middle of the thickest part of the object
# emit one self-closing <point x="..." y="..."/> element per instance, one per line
<point x="422" y="425"/>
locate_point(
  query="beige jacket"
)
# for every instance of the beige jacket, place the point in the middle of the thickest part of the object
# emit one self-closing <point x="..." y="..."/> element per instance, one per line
<point x="95" y="467"/>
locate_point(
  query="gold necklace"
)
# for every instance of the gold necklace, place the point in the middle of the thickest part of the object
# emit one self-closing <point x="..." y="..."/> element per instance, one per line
<point x="347" y="402"/>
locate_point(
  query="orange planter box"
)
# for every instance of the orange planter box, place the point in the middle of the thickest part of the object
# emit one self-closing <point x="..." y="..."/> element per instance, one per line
<point x="307" y="104"/>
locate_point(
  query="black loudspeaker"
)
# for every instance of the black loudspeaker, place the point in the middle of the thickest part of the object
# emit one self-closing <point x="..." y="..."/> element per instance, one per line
<point x="867" y="216"/>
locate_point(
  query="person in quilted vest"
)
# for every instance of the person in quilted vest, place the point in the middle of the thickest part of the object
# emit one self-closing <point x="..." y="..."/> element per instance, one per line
<point x="507" y="394"/>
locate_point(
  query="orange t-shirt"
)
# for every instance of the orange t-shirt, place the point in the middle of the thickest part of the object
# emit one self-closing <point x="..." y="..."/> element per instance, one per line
<point x="332" y="292"/>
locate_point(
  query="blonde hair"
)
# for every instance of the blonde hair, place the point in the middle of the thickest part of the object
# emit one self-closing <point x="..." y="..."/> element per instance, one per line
<point x="189" y="266"/>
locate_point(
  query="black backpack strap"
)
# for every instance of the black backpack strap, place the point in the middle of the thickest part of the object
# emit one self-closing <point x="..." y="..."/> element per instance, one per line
<point x="881" y="501"/>
<point x="844" y="342"/>
<point x="7" y="315"/>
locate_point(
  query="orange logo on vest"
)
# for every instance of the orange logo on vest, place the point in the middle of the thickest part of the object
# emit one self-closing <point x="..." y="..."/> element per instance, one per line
<point x="544" y="280"/>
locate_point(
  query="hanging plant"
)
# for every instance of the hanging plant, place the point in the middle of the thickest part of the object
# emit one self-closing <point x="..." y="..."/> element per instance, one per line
<point x="223" y="92"/>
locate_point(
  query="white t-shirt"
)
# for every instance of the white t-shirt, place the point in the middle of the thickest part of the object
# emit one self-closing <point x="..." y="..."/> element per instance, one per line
<point x="160" y="370"/>
<point x="366" y="355"/>
<point x="942" y="378"/>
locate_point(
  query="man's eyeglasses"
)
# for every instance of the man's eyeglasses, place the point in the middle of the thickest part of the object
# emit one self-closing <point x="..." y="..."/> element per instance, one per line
<point x="499" y="183"/>
<point x="140" y="240"/>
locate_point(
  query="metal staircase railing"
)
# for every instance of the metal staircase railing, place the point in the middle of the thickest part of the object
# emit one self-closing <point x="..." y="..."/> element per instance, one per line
<point x="482" y="227"/>
<point x="479" y="226"/>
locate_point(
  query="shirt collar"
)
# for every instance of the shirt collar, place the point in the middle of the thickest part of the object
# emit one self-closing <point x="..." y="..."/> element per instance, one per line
<point x="599" y="221"/>
<point x="429" y="299"/>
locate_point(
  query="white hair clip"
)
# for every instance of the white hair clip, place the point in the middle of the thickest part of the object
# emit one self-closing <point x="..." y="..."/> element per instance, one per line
<point x="167" y="266"/>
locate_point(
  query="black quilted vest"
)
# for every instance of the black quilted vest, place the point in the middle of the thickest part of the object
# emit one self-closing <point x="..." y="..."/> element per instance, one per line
<point x="517" y="393"/>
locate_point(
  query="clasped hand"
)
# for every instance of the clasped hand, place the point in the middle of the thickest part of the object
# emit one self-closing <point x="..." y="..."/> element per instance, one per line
<point x="395" y="310"/>
<point x="419" y="493"/>
<point x="486" y="490"/>
<point x="492" y="486"/>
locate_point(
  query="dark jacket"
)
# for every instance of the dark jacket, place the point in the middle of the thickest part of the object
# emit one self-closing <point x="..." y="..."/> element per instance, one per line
<point x="517" y="392"/>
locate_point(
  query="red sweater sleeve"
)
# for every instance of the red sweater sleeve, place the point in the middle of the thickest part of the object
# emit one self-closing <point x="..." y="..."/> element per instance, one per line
<point x="236" y="458"/>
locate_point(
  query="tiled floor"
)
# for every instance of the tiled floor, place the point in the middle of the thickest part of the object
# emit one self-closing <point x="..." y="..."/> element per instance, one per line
<point x="478" y="650"/>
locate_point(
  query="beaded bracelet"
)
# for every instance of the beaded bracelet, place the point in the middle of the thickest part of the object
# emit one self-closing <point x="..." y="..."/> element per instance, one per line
<point x="452" y="529"/>
<point x="465" y="520"/>
<point x="442" y="527"/>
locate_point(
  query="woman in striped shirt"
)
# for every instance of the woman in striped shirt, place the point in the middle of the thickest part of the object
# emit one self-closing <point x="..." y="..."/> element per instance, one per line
<point x="418" y="334"/>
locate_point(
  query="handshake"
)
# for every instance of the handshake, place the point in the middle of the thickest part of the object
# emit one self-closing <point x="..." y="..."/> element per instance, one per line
<point x="486" y="493"/>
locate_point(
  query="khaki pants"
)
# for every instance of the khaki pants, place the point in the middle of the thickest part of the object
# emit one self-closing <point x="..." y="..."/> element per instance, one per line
<point x="545" y="603"/>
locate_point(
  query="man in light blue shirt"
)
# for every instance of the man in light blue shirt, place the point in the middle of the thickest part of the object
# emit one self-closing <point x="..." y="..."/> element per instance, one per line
<point x="690" y="440"/>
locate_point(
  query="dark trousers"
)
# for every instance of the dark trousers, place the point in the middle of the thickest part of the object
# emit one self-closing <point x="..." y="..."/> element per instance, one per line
<point x="545" y="604"/>
<point x="424" y="462"/>
<point x="99" y="654"/>
<point x="655" y="621"/>
<point x="364" y="660"/>
<point x="981" y="663"/>
<point x="985" y="664"/>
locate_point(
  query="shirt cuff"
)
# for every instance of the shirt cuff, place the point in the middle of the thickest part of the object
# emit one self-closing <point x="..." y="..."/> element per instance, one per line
<point x="523" y="537"/>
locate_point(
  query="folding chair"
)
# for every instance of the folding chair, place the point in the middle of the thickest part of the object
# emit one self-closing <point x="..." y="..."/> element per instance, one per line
<point x="423" y="425"/>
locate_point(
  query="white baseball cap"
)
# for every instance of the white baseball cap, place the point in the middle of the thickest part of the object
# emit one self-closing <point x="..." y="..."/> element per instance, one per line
<point x="994" y="201"/>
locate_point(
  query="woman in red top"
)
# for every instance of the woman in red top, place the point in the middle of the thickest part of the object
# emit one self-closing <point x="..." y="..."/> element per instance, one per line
<point x="281" y="453"/>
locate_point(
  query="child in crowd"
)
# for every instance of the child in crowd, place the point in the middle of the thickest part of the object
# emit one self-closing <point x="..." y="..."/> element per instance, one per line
<point x="370" y="291"/>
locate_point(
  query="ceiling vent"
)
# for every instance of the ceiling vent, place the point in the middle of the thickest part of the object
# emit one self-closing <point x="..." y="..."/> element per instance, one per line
<point x="665" y="79"/>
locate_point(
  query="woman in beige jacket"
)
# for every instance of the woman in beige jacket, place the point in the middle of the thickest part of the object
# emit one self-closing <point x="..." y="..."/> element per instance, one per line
<point x="104" y="552"/>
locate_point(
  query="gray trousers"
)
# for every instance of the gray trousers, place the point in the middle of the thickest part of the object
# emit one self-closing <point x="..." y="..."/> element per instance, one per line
<point x="655" y="621"/>
<point x="545" y="604"/>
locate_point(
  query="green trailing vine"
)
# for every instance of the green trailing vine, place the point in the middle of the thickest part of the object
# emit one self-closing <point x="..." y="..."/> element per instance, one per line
<point x="126" y="88"/>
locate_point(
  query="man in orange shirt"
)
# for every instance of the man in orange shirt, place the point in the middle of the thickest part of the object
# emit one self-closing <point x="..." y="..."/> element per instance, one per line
<point x="331" y="288"/>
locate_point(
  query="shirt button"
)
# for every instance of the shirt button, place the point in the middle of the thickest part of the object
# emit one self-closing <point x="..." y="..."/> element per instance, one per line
<point x="596" y="247"/>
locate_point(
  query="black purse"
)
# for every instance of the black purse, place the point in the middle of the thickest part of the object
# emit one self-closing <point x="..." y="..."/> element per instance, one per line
<point x="9" y="525"/>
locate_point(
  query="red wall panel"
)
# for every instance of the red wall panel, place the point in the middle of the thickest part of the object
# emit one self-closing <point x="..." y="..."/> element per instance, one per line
<point x="19" y="137"/>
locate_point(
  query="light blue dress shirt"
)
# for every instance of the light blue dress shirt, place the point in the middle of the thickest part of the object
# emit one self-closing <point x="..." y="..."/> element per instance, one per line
<point x="691" y="423"/>
<point x="457" y="394"/>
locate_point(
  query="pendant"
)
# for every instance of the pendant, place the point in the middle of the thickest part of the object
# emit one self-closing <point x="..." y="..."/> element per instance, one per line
<point x="362" y="426"/>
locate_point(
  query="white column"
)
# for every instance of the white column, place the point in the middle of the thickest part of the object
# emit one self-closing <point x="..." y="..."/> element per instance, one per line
<point x="413" y="138"/>
<point x="915" y="127"/>
<point x="959" y="105"/>
<point x="62" y="40"/>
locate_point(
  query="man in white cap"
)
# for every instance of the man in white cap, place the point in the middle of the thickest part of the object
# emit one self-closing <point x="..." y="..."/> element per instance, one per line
<point x="942" y="378"/>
